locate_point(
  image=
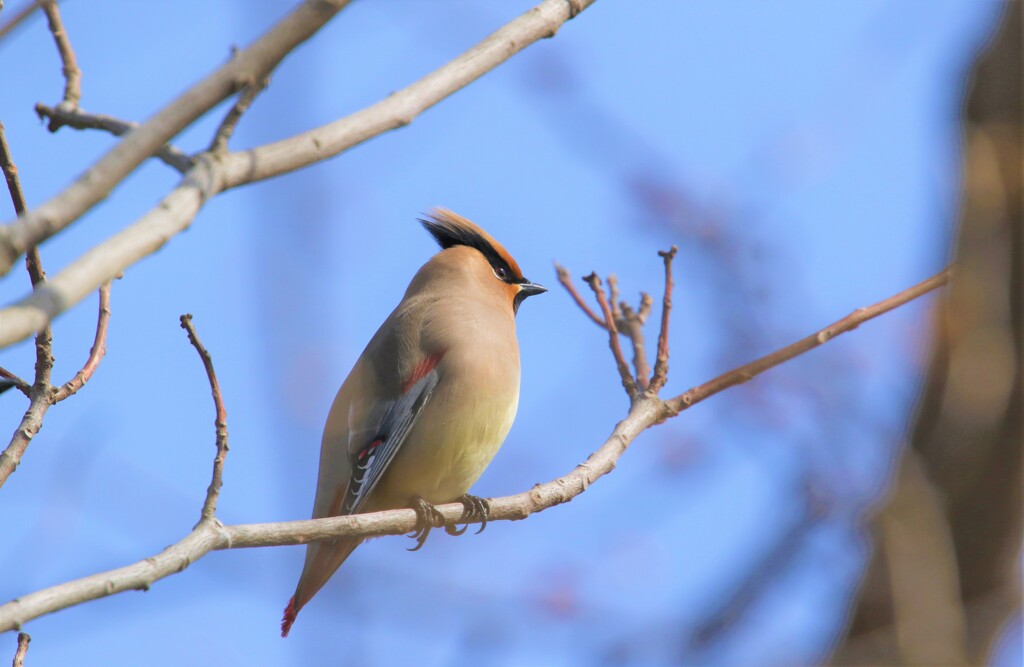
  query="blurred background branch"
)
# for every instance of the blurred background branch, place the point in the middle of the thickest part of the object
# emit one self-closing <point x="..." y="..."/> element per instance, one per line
<point x="945" y="577"/>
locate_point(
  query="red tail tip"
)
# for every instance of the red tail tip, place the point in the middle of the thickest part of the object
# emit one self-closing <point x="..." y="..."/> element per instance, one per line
<point x="290" y="612"/>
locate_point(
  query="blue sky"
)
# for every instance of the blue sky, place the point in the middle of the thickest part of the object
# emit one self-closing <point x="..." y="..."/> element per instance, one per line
<point x="804" y="157"/>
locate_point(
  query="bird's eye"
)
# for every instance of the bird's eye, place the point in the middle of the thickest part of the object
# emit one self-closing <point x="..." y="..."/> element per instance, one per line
<point x="501" y="272"/>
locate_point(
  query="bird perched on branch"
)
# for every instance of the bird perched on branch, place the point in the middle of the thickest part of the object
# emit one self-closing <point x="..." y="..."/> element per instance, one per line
<point x="429" y="401"/>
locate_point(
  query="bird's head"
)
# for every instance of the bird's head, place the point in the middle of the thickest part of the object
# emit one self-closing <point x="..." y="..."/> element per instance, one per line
<point x="486" y="258"/>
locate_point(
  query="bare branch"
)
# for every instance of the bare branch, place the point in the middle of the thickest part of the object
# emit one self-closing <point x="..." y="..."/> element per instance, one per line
<point x="209" y="177"/>
<point x="628" y="383"/>
<point x="19" y="655"/>
<point x="72" y="75"/>
<point x="209" y="535"/>
<point x="252" y="63"/>
<point x="80" y="120"/>
<point x="848" y="323"/>
<point x="39" y="392"/>
<point x="661" y="363"/>
<point x="566" y="280"/>
<point x="221" y="422"/>
<point x="227" y="126"/>
<point x="99" y="348"/>
<point x="401" y="107"/>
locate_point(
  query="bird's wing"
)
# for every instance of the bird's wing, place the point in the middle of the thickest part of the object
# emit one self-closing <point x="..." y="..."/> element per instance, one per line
<point x="372" y="451"/>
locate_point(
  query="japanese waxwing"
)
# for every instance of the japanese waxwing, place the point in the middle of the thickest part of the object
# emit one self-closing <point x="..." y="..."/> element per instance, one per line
<point x="429" y="401"/>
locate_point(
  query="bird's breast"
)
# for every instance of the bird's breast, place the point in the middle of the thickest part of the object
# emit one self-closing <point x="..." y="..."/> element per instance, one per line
<point x="459" y="432"/>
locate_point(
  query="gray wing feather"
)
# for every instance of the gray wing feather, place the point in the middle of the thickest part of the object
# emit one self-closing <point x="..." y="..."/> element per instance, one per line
<point x="370" y="461"/>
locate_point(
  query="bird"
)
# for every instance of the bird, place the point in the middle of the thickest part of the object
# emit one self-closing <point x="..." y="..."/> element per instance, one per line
<point x="429" y="401"/>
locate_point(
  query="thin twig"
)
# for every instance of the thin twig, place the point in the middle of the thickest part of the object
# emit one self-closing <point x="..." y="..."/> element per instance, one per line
<point x="633" y="327"/>
<point x="848" y="323"/>
<point x="645" y="412"/>
<point x="613" y="298"/>
<point x="11" y="173"/>
<point x="80" y="120"/>
<point x="72" y="75"/>
<point x="19" y="18"/>
<point x="221" y="422"/>
<point x="19" y="655"/>
<point x="566" y="280"/>
<point x="628" y="382"/>
<point x="660" y="376"/>
<point x="99" y="348"/>
<point x="227" y="126"/>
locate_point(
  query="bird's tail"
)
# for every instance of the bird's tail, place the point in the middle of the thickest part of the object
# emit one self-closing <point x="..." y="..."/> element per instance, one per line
<point x="322" y="561"/>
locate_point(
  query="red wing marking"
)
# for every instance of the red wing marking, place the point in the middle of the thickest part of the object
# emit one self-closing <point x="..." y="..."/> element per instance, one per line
<point x="369" y="450"/>
<point x="421" y="370"/>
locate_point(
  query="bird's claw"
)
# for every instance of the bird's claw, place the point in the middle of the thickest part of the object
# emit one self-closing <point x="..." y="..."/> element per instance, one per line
<point x="427" y="518"/>
<point x="476" y="508"/>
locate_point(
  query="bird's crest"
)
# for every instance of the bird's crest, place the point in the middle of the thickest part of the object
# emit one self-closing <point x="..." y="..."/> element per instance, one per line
<point x="451" y="229"/>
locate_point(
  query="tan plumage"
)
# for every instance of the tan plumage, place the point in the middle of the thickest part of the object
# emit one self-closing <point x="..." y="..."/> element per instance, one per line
<point x="440" y="377"/>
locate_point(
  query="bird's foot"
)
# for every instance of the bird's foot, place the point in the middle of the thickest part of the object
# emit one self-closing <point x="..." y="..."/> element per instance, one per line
<point x="476" y="508"/>
<point x="427" y="518"/>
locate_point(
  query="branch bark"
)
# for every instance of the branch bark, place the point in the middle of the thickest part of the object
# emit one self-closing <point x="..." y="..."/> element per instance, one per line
<point x="214" y="174"/>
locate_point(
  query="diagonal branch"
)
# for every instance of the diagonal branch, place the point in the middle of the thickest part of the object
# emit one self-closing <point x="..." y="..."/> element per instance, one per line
<point x="219" y="145"/>
<point x="211" y="176"/>
<point x="209" y="535"/>
<point x="566" y="280"/>
<point x="747" y="372"/>
<point x="252" y="63"/>
<point x="78" y="119"/>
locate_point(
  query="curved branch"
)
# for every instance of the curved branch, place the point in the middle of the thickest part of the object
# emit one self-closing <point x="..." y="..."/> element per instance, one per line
<point x="214" y="174"/>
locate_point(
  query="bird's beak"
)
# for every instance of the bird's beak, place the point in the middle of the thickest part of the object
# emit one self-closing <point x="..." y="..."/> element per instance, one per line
<point x="529" y="289"/>
<point x="525" y="290"/>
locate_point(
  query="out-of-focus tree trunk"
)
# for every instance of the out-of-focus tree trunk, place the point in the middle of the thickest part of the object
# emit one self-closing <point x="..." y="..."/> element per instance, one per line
<point x="945" y="577"/>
